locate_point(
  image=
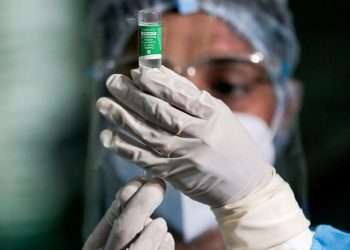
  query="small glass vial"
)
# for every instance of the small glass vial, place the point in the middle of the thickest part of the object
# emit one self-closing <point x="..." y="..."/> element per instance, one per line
<point x="150" y="38"/>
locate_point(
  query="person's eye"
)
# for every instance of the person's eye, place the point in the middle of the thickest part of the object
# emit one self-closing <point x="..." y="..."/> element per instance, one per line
<point x="225" y="88"/>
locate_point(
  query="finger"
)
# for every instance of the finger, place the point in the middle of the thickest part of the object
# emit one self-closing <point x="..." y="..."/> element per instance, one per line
<point x="175" y="89"/>
<point x="121" y="199"/>
<point x="147" y="106"/>
<point x="152" y="236"/>
<point x="100" y="234"/>
<point x="168" y="243"/>
<point x="139" y="128"/>
<point x="134" y="216"/>
<point x="135" y="152"/>
<point x="159" y="140"/>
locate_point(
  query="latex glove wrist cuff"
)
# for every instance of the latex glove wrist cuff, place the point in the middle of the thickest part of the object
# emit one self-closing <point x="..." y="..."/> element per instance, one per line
<point x="265" y="219"/>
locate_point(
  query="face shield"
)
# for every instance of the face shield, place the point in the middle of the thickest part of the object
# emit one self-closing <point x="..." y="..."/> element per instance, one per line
<point x="266" y="25"/>
<point x="234" y="78"/>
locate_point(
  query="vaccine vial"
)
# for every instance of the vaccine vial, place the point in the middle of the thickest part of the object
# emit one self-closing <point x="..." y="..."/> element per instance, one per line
<point x="150" y="38"/>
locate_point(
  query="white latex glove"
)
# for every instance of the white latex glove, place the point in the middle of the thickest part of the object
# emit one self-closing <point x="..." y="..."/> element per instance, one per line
<point x="127" y="223"/>
<point x="268" y="218"/>
<point x="188" y="137"/>
<point x="172" y="129"/>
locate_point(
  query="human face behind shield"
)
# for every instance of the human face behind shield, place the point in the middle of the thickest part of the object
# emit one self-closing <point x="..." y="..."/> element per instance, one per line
<point x="206" y="50"/>
<point x="193" y="37"/>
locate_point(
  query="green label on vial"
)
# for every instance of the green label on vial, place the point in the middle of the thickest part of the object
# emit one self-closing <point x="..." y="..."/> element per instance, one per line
<point x="150" y="40"/>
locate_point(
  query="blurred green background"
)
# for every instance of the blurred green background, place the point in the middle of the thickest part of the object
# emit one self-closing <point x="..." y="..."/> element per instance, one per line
<point x="44" y="107"/>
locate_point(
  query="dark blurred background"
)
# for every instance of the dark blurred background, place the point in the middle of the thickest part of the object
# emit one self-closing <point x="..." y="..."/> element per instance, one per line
<point x="45" y="64"/>
<point x="323" y="31"/>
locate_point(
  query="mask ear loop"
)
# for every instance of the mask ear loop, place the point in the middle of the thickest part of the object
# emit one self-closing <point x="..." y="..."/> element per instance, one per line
<point x="279" y="110"/>
<point x="278" y="116"/>
<point x="292" y="97"/>
<point x="281" y="88"/>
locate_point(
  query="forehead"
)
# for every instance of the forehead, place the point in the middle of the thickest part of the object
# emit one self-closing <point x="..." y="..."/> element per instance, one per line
<point x="197" y="35"/>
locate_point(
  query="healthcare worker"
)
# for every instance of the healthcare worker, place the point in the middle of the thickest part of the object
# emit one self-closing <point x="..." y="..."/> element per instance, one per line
<point x="242" y="52"/>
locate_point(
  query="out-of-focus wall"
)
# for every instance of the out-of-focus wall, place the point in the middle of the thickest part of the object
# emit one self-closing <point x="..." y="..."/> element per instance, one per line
<point x="43" y="97"/>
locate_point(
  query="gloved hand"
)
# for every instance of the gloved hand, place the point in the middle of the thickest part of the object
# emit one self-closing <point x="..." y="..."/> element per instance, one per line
<point x="172" y="129"/>
<point x="127" y="223"/>
<point x="182" y="134"/>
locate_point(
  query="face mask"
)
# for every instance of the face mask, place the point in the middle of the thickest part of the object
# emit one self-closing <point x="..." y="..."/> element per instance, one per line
<point x="197" y="218"/>
<point x="261" y="134"/>
<point x="186" y="216"/>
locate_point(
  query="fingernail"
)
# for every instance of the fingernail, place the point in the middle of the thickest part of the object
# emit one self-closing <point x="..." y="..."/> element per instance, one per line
<point x="103" y="107"/>
<point x="110" y="79"/>
<point x="106" y="137"/>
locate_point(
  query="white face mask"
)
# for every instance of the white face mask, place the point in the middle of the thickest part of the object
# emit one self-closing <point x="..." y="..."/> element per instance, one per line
<point x="196" y="217"/>
<point x="261" y="134"/>
<point x="191" y="218"/>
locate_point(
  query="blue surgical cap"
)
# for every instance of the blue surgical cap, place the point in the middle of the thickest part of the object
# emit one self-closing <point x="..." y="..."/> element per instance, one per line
<point x="266" y="24"/>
